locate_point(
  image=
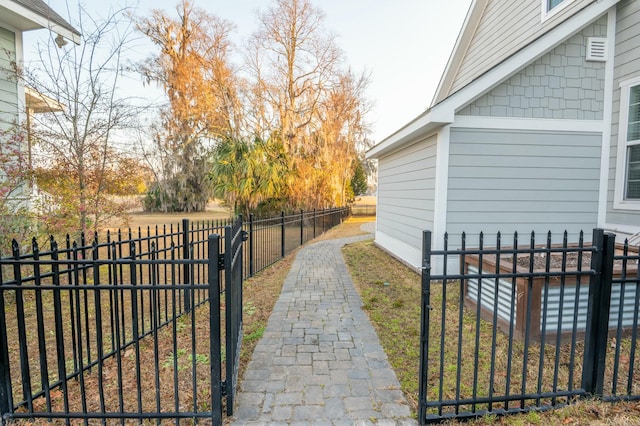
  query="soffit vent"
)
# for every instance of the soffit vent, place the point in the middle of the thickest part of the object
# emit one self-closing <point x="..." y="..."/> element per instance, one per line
<point x="597" y="49"/>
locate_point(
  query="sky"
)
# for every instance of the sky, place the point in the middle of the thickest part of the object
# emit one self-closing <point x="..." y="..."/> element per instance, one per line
<point x="403" y="44"/>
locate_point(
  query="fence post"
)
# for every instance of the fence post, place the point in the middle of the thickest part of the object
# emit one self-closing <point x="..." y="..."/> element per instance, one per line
<point x="424" y="324"/>
<point x="282" y="234"/>
<point x="301" y="227"/>
<point x="597" y="327"/>
<point x="314" y="223"/>
<point x="214" y="329"/>
<point x="6" y="399"/>
<point x="186" y="270"/>
<point x="251" y="266"/>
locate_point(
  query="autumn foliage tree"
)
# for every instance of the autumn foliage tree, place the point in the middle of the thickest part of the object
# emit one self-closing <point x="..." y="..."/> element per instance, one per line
<point x="203" y="107"/>
<point x="108" y="183"/>
<point x="303" y="92"/>
<point x="283" y="130"/>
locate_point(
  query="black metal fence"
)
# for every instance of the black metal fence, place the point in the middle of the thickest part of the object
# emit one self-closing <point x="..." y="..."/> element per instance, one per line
<point x="130" y="327"/>
<point x="270" y="239"/>
<point x="514" y="328"/>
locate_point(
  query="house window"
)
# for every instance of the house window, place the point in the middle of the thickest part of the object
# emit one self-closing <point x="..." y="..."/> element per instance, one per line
<point x="627" y="168"/>
<point x="552" y="7"/>
<point x="552" y="3"/>
<point x="632" y="184"/>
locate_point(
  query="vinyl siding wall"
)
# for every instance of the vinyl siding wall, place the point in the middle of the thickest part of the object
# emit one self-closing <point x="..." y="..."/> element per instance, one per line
<point x="406" y="193"/>
<point x="506" y="27"/>
<point x="627" y="66"/>
<point x="8" y="83"/>
<point x="521" y="181"/>
<point x="561" y="84"/>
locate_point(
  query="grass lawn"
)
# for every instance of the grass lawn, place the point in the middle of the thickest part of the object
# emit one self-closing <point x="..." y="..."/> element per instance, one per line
<point x="214" y="211"/>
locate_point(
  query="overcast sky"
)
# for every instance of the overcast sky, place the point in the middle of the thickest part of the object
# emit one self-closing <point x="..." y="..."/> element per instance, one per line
<point x="403" y="44"/>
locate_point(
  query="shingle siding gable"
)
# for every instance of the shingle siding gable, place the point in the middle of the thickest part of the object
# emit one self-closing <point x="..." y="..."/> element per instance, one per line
<point x="561" y="84"/>
<point x="506" y="27"/>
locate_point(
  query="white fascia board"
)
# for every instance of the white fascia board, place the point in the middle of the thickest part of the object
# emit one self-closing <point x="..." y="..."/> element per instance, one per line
<point x="524" y="57"/>
<point x="40" y="103"/>
<point x="468" y="30"/>
<point x="427" y="122"/>
<point x="619" y="202"/>
<point x="545" y="124"/>
<point x="40" y="21"/>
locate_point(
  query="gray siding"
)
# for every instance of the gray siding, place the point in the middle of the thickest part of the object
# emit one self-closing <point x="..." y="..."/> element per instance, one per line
<point x="8" y="83"/>
<point x="406" y="190"/>
<point x="522" y="181"/>
<point x="622" y="298"/>
<point x="506" y="27"/>
<point x="627" y="66"/>
<point x="561" y="84"/>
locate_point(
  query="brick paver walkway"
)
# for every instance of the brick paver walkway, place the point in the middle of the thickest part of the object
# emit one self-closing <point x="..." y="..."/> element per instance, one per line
<point x="320" y="361"/>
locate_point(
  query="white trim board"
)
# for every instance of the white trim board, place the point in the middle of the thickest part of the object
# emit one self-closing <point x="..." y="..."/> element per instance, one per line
<point x="607" y="118"/>
<point x="547" y="14"/>
<point x="509" y="123"/>
<point x="441" y="187"/>
<point x="468" y="30"/>
<point x="619" y="202"/>
<point x="409" y="255"/>
<point x="40" y="20"/>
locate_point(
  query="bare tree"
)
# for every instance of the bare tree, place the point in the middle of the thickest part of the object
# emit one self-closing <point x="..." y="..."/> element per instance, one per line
<point x="80" y="140"/>
<point x="342" y="132"/>
<point x="301" y="90"/>
<point x="293" y="60"/>
<point x="201" y="86"/>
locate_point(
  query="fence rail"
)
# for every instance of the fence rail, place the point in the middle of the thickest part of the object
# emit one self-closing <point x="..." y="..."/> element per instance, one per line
<point x="523" y="327"/>
<point x="130" y="327"/>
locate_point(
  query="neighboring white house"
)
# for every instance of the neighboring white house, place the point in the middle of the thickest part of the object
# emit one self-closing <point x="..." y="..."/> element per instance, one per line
<point x="535" y="126"/>
<point x="16" y="102"/>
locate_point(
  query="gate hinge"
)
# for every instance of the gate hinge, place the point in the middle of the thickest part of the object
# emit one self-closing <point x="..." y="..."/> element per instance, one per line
<point x="223" y="388"/>
<point x="221" y="261"/>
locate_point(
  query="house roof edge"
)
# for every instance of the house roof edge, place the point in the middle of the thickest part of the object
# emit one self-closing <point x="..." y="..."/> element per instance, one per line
<point x="443" y="112"/>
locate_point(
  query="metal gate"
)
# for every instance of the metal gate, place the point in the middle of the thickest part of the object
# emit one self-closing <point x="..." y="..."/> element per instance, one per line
<point x="229" y="261"/>
<point x="514" y="327"/>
